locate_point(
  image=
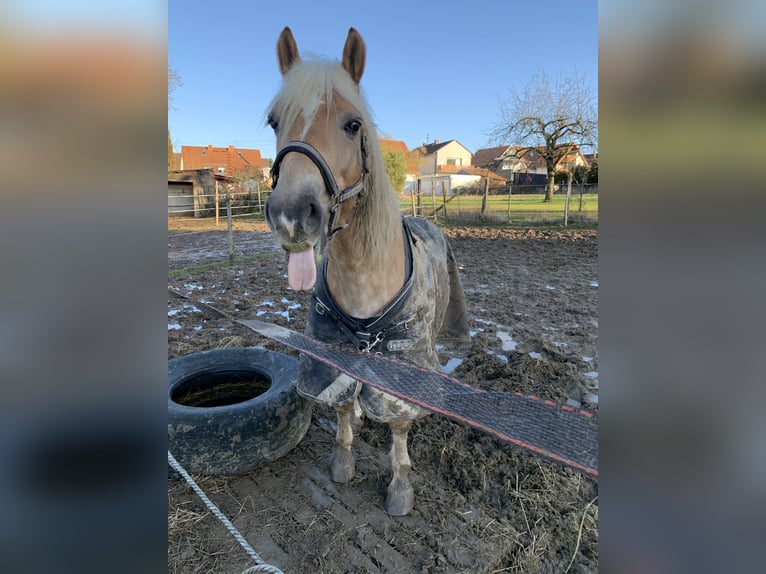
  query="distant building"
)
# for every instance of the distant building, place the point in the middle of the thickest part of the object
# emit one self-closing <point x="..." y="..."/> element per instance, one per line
<point x="525" y="165"/>
<point x="228" y="161"/>
<point x="435" y="157"/>
<point x="192" y="192"/>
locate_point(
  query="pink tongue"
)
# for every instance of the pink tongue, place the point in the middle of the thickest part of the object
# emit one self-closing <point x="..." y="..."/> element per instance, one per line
<point x="301" y="270"/>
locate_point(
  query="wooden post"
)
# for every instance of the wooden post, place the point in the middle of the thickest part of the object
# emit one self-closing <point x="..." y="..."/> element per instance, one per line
<point x="566" y="201"/>
<point x="231" y="232"/>
<point x="433" y="200"/>
<point x="484" y="197"/>
<point x="420" y="206"/>
<point x="216" y="203"/>
<point x="582" y="185"/>
<point x="444" y="200"/>
<point x="412" y="197"/>
<point x="510" y="193"/>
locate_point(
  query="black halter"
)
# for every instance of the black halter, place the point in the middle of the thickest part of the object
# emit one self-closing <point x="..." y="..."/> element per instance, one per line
<point x="337" y="196"/>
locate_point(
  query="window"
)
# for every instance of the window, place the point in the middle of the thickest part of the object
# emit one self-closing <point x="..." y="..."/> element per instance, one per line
<point x="221" y="169"/>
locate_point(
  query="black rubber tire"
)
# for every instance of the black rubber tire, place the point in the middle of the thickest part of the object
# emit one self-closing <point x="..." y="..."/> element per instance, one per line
<point x="245" y="431"/>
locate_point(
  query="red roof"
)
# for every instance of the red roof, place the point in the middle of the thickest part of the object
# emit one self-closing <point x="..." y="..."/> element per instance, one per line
<point x="232" y="159"/>
<point x="396" y="145"/>
<point x="567" y="152"/>
<point x="393" y="145"/>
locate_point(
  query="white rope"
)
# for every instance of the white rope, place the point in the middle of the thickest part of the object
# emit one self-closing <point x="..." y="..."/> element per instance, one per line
<point x="260" y="566"/>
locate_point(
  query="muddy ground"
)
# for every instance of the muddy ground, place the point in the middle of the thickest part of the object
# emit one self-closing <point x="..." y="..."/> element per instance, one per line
<point x="481" y="505"/>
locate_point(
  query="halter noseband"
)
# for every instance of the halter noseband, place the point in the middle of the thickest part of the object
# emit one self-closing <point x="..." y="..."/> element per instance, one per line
<point x="337" y="196"/>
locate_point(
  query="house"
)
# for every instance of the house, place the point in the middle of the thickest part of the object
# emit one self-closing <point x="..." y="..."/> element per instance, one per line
<point x="192" y="192"/>
<point x="433" y="157"/>
<point x="229" y="160"/>
<point x="449" y="181"/>
<point x="493" y="158"/>
<point x="571" y="158"/>
<point x="507" y="160"/>
<point x="526" y="165"/>
<point x="437" y="166"/>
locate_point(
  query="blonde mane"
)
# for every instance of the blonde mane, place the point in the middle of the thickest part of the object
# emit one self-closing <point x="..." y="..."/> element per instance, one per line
<point x="377" y="217"/>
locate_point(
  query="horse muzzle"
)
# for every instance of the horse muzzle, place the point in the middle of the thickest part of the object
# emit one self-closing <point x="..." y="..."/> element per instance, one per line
<point x="336" y="195"/>
<point x="297" y="220"/>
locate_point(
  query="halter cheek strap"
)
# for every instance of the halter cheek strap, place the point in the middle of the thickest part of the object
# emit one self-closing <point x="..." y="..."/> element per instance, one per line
<point x="337" y="196"/>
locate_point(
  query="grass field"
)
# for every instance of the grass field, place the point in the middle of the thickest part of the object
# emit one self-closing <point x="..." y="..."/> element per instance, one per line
<point x="526" y="209"/>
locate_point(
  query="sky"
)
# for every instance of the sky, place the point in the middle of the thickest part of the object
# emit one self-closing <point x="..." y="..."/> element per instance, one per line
<point x="434" y="70"/>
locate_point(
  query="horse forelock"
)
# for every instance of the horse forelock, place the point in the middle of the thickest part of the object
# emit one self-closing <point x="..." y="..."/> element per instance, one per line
<point x="305" y="87"/>
<point x="310" y="83"/>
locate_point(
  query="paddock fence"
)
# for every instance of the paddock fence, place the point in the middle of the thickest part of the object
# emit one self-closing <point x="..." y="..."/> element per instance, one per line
<point x="520" y="206"/>
<point x="202" y="208"/>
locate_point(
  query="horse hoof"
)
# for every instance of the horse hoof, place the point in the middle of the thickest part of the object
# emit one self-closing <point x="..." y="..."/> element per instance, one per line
<point x="343" y="466"/>
<point x="400" y="500"/>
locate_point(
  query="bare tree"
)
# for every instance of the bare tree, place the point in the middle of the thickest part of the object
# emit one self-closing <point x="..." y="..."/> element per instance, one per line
<point x="546" y="117"/>
<point x="174" y="81"/>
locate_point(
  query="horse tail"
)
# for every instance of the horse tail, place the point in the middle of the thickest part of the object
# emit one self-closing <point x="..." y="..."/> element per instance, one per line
<point x="455" y="325"/>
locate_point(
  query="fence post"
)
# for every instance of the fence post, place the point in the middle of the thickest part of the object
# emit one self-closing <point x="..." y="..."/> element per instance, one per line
<point x="412" y="198"/>
<point x="484" y="197"/>
<point x="566" y="201"/>
<point x="216" y="203"/>
<point x="231" y="233"/>
<point x="433" y="200"/>
<point x="444" y="200"/>
<point x="420" y="210"/>
<point x="510" y="193"/>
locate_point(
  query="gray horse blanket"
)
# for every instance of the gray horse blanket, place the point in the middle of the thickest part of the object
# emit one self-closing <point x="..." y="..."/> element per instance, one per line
<point x="429" y="307"/>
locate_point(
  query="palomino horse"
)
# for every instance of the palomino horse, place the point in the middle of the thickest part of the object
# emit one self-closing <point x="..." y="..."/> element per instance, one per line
<point x="384" y="283"/>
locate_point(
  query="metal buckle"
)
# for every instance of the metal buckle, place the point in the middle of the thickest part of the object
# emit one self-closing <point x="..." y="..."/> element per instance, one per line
<point x="367" y="346"/>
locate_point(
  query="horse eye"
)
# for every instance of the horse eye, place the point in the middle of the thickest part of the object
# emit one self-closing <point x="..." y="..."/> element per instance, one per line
<point x="274" y="124"/>
<point x="353" y="127"/>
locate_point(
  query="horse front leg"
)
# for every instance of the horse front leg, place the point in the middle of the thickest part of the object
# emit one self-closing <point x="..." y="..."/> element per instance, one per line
<point x="401" y="495"/>
<point x="343" y="466"/>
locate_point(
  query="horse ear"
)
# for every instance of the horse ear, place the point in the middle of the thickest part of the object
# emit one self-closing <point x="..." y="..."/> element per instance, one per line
<point x="353" y="55"/>
<point x="287" y="50"/>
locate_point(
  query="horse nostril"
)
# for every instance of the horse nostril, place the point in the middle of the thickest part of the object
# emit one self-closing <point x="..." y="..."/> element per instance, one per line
<point x="313" y="217"/>
<point x="314" y="210"/>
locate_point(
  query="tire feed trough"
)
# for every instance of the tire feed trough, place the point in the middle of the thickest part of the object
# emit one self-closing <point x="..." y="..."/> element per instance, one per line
<point x="558" y="432"/>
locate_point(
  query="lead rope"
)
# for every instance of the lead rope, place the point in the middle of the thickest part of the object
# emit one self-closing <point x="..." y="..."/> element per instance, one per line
<point x="260" y="565"/>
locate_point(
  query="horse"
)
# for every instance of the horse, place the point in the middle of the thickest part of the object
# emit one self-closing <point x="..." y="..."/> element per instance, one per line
<point x="380" y="282"/>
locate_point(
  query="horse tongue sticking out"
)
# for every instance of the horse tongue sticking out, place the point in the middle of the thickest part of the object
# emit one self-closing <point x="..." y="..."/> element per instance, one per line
<point x="301" y="270"/>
